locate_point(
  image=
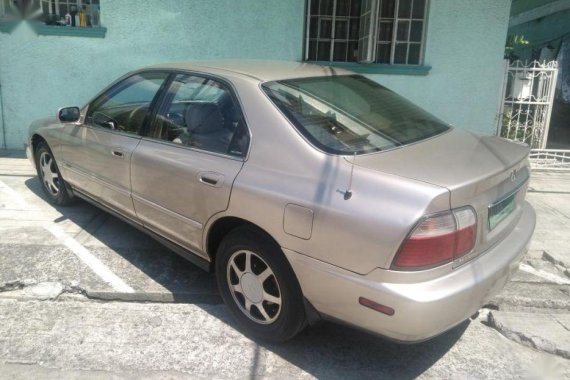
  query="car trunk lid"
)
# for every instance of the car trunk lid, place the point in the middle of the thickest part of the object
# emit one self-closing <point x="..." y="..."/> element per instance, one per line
<point x="484" y="172"/>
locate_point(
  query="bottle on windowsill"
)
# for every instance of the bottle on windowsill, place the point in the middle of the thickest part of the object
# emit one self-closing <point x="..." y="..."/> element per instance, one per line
<point x="83" y="17"/>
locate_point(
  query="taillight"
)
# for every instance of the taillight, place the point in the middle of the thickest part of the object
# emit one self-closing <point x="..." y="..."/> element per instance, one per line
<point x="437" y="240"/>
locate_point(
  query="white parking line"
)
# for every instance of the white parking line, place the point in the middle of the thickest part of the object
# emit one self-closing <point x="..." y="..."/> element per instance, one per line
<point x="18" y="201"/>
<point x="91" y="261"/>
<point x="543" y="274"/>
<point x="79" y="250"/>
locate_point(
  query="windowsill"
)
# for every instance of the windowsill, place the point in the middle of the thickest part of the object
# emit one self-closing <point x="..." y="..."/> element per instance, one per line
<point x="52" y="30"/>
<point x="378" y="68"/>
<point x="8" y="26"/>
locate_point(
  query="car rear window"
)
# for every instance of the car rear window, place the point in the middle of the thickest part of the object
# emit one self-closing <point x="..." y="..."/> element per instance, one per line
<point x="351" y="114"/>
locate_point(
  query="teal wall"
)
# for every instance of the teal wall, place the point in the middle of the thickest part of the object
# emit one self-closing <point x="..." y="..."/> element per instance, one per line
<point x="38" y="74"/>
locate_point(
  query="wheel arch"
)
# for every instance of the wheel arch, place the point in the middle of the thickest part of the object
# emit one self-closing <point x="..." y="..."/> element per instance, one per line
<point x="222" y="227"/>
<point x="35" y="141"/>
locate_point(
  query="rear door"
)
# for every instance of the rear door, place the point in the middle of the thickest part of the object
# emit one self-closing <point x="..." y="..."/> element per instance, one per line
<point x="182" y="173"/>
<point x="96" y="155"/>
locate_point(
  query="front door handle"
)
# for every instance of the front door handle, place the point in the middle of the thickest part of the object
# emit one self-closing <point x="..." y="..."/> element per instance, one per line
<point x="211" y="178"/>
<point x="117" y="153"/>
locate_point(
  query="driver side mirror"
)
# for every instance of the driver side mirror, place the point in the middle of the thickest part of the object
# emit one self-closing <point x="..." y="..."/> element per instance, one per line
<point x="69" y="114"/>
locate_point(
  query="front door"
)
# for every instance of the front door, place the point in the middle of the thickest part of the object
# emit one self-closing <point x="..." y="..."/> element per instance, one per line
<point x="183" y="172"/>
<point x="96" y="155"/>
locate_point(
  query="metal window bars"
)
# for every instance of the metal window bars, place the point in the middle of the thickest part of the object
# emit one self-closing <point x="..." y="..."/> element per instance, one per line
<point x="528" y="96"/>
<point x="527" y="106"/>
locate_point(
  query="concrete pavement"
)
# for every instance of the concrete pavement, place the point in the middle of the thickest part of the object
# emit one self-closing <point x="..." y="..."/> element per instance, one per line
<point x="63" y="314"/>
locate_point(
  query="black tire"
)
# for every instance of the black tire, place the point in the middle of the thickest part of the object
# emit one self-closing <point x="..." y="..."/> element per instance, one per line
<point x="56" y="190"/>
<point x="285" y="320"/>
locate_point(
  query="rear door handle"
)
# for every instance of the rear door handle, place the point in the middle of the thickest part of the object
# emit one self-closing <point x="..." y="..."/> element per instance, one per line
<point x="211" y="178"/>
<point x="117" y="153"/>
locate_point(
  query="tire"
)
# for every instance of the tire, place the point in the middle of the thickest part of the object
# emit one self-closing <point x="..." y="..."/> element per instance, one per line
<point x="53" y="185"/>
<point x="276" y="292"/>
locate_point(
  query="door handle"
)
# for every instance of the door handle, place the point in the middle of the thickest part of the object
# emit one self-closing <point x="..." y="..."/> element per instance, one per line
<point x="211" y="178"/>
<point x="117" y="153"/>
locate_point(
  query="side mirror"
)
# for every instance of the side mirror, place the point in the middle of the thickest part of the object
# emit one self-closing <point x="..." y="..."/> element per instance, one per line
<point x="69" y="114"/>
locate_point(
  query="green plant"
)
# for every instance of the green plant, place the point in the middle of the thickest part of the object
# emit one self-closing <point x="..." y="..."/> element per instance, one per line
<point x="512" y="42"/>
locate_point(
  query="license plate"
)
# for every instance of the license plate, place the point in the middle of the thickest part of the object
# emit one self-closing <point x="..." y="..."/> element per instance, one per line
<point x="499" y="211"/>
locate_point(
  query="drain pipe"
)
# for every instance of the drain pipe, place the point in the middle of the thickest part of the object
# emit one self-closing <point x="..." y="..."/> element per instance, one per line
<point x="2" y="119"/>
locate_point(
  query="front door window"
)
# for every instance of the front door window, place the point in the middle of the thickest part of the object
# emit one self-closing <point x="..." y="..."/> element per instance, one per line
<point x="124" y="107"/>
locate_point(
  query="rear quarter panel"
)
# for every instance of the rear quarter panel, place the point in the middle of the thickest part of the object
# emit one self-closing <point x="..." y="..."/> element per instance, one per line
<point x="358" y="234"/>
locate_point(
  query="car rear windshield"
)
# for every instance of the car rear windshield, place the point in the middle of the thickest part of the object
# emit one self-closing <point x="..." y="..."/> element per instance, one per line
<point x="351" y="114"/>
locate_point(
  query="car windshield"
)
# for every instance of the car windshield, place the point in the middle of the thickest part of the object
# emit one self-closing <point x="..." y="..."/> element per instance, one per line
<point x="351" y="114"/>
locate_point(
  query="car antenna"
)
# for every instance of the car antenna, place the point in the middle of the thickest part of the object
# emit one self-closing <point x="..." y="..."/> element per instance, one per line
<point x="348" y="192"/>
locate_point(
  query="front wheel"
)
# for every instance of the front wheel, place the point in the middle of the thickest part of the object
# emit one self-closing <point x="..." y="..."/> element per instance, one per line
<point x="53" y="184"/>
<point x="259" y="286"/>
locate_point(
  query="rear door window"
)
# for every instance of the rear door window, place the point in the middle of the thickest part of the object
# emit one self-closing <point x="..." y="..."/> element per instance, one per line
<point x="201" y="113"/>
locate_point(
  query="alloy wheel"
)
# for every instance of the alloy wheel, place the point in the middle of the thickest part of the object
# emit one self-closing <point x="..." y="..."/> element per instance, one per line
<point x="50" y="176"/>
<point x="254" y="287"/>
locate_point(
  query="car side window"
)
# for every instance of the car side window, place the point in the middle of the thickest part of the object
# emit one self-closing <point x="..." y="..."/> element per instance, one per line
<point x="125" y="106"/>
<point x="202" y="113"/>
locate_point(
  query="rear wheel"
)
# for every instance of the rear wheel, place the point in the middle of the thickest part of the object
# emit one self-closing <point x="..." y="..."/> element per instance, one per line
<point x="259" y="286"/>
<point x="53" y="184"/>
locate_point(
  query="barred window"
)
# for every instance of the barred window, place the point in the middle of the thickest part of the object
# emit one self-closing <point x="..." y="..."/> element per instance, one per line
<point x="366" y="31"/>
<point x="74" y="13"/>
<point x="70" y="13"/>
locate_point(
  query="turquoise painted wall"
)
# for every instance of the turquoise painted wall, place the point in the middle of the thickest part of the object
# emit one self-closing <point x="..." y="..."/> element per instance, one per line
<point x="38" y="74"/>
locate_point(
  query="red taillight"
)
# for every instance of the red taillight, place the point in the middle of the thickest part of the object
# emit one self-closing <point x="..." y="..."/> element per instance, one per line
<point x="438" y="240"/>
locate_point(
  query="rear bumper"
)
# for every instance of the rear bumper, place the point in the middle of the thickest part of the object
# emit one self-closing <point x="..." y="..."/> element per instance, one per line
<point x="423" y="309"/>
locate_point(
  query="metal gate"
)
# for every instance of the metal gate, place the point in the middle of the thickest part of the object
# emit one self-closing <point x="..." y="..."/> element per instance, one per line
<point x="528" y="93"/>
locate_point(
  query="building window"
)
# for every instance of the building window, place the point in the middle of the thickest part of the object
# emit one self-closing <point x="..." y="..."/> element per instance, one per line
<point x="71" y="13"/>
<point x="366" y="31"/>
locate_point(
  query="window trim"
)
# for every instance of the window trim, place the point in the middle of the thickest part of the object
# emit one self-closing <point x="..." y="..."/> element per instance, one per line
<point x="374" y="41"/>
<point x="52" y="30"/>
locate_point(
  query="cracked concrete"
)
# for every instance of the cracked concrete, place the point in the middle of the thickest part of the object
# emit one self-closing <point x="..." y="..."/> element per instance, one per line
<point x="52" y="290"/>
<point x="57" y="318"/>
<point x="554" y="258"/>
<point x="542" y="331"/>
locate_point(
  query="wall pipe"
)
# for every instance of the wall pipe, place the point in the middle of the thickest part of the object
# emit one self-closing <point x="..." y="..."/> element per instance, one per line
<point x="2" y="120"/>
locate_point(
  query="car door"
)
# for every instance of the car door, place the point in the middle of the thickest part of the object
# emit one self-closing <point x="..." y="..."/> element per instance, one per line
<point x="183" y="172"/>
<point x="96" y="154"/>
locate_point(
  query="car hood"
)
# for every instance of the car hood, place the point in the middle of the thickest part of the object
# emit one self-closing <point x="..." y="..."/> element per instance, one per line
<point x="464" y="163"/>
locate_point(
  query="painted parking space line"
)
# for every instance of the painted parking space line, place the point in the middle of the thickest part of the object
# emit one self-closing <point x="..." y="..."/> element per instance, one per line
<point x="88" y="259"/>
<point x="545" y="275"/>
<point x="14" y="197"/>
<point x="73" y="245"/>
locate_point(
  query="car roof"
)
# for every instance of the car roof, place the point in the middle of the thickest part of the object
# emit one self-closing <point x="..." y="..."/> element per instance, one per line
<point x="258" y="70"/>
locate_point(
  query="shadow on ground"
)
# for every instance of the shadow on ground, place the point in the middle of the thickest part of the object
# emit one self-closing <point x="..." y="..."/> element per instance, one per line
<point x="184" y="281"/>
<point x="326" y="350"/>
